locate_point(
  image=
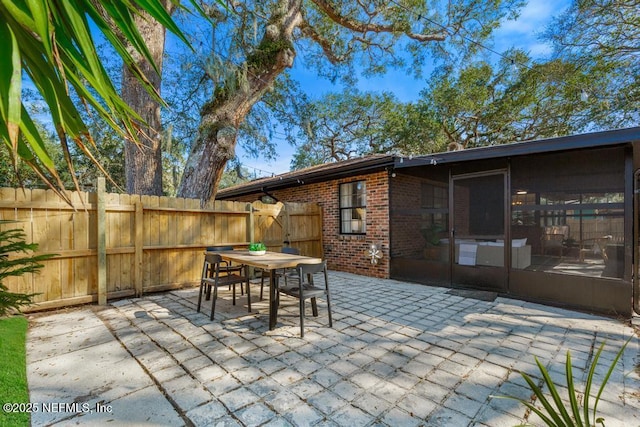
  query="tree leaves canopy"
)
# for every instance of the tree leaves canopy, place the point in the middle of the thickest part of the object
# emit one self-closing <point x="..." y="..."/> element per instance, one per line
<point x="262" y="39"/>
<point x="51" y="42"/>
<point x="589" y="83"/>
<point x="602" y="39"/>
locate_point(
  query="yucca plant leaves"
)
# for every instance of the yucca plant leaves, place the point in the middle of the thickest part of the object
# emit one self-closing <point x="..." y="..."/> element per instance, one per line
<point x="40" y="14"/>
<point x="587" y="388"/>
<point x="562" y="412"/>
<point x="31" y="146"/>
<point x="553" y="418"/>
<point x="607" y="376"/>
<point x="573" y="396"/>
<point x="550" y="421"/>
<point x="11" y="82"/>
<point x="51" y="42"/>
<point x="559" y="415"/>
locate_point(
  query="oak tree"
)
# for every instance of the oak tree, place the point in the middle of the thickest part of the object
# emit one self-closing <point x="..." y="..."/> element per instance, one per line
<point x="265" y="37"/>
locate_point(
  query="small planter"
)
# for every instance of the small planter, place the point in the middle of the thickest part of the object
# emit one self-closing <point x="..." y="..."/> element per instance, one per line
<point x="432" y="253"/>
<point x="257" y="249"/>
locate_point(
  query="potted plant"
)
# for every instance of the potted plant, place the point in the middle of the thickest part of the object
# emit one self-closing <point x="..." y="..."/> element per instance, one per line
<point x="257" y="248"/>
<point x="432" y="235"/>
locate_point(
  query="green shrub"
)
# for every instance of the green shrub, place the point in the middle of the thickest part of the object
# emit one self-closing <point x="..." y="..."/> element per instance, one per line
<point x="12" y="244"/>
<point x="578" y="412"/>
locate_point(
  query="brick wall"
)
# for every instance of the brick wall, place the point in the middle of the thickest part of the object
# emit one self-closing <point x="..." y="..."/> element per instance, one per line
<point x="347" y="252"/>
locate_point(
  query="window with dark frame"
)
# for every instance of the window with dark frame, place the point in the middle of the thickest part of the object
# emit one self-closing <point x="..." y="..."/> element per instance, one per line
<point x="435" y="205"/>
<point x="353" y="208"/>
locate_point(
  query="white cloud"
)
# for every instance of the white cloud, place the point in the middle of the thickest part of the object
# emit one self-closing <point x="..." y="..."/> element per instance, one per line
<point x="533" y="20"/>
<point x="533" y="17"/>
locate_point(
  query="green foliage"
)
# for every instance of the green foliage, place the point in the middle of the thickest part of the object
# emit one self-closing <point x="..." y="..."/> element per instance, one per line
<point x="13" y="369"/>
<point x="601" y="37"/>
<point x="12" y="243"/>
<point x="418" y="34"/>
<point x="344" y="125"/>
<point x="577" y="412"/>
<point x="51" y="43"/>
<point x="432" y="234"/>
<point x="333" y="39"/>
<point x="264" y="56"/>
<point x="259" y="246"/>
<point x="474" y="105"/>
<point x="234" y="174"/>
<point x="481" y="104"/>
<point x="589" y="83"/>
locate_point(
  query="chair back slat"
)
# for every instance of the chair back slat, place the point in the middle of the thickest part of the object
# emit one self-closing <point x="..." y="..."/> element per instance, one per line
<point x="305" y="268"/>
<point x="219" y="248"/>
<point x="212" y="258"/>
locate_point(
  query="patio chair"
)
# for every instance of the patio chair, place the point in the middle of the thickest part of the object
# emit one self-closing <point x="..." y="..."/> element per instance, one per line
<point x="214" y="263"/>
<point x="303" y="288"/>
<point x="596" y="246"/>
<point x="230" y="268"/>
<point x="553" y="238"/>
<point x="279" y="273"/>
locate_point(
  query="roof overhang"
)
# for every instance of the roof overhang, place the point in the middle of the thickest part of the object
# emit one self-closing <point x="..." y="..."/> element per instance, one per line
<point x="352" y="167"/>
<point x="320" y="173"/>
<point x="564" y="143"/>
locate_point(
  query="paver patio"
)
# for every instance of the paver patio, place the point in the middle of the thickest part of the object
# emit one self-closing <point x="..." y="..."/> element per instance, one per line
<point x="399" y="354"/>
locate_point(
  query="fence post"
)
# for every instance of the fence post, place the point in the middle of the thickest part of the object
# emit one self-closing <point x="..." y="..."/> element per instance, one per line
<point x="138" y="245"/>
<point x="101" y="241"/>
<point x="251" y="223"/>
<point x="286" y="223"/>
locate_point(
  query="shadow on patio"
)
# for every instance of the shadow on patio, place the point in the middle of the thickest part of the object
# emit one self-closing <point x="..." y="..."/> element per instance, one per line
<point x="399" y="354"/>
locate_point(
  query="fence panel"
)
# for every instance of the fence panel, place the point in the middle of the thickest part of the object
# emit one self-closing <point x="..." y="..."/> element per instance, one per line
<point x="305" y="227"/>
<point x="152" y="243"/>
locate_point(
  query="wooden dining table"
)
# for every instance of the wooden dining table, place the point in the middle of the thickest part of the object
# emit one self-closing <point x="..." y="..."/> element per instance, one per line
<point x="270" y="261"/>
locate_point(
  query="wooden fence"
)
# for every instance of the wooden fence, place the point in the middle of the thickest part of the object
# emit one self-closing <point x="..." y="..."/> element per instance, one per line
<point x="118" y="245"/>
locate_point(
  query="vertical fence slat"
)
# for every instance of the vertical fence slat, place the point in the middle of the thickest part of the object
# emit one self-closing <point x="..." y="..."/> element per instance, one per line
<point x="138" y="246"/>
<point x="102" y="242"/>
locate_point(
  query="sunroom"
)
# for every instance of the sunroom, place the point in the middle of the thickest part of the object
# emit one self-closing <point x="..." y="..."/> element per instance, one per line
<point x="549" y="220"/>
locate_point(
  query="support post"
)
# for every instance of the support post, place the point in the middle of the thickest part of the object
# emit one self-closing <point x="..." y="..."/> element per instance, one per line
<point x="250" y="223"/>
<point x="101" y="241"/>
<point x="139" y="245"/>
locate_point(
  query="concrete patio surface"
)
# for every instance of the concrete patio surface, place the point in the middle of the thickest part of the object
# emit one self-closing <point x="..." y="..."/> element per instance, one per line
<point x="399" y="354"/>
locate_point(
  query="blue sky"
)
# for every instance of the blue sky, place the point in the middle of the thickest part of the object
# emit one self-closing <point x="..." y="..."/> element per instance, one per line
<point x="522" y="33"/>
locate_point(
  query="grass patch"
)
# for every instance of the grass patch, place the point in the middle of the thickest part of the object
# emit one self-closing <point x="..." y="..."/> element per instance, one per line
<point x="13" y="369"/>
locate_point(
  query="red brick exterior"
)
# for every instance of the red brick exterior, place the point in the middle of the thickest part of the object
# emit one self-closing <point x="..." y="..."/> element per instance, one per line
<point x="347" y="252"/>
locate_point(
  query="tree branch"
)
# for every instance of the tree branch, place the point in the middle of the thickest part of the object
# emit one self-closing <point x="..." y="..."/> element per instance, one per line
<point x="326" y="46"/>
<point x="362" y="27"/>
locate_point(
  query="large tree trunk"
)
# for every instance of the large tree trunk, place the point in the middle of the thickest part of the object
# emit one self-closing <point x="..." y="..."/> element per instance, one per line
<point x="221" y="117"/>
<point x="143" y="163"/>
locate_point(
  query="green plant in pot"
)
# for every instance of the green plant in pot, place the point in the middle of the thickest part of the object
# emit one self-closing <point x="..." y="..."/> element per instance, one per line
<point x="432" y="236"/>
<point x="258" y="248"/>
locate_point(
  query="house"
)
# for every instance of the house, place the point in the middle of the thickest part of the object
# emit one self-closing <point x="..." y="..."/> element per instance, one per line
<point x="552" y="220"/>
